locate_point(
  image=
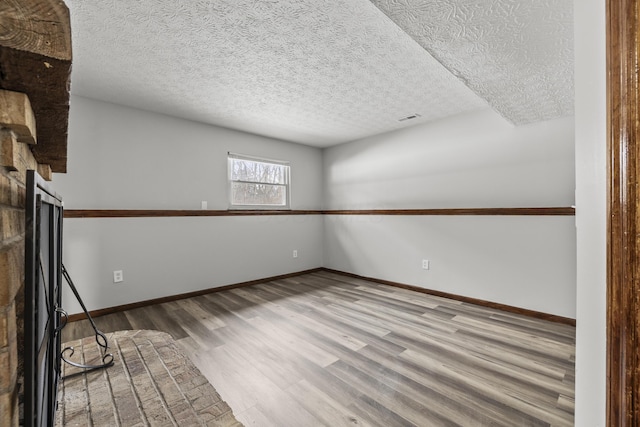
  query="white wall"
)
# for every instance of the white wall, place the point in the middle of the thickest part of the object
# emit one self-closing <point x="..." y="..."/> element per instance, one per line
<point x="168" y="256"/>
<point x="591" y="216"/>
<point x="123" y="158"/>
<point x="472" y="160"/>
<point x="469" y="161"/>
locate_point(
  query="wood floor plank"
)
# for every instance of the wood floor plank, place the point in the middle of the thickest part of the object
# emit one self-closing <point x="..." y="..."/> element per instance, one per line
<point x="549" y="347"/>
<point x="286" y="411"/>
<point x="138" y="319"/>
<point x="196" y="310"/>
<point x="387" y="396"/>
<point x="328" y="349"/>
<point x="308" y="350"/>
<point x="309" y="322"/>
<point x="479" y="409"/>
<point x="325" y="408"/>
<point x="272" y="362"/>
<point x="199" y="331"/>
<point x="254" y="417"/>
<point x="491" y="391"/>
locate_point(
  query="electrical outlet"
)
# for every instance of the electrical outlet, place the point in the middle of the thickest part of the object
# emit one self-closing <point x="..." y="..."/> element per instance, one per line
<point x="295" y="253"/>
<point x="117" y="276"/>
<point x="425" y="264"/>
<point x="203" y="205"/>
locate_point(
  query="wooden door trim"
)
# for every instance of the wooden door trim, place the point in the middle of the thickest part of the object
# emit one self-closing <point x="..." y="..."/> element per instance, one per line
<point x="623" y="246"/>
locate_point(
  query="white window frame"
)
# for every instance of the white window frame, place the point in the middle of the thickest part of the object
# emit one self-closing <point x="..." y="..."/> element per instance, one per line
<point x="287" y="185"/>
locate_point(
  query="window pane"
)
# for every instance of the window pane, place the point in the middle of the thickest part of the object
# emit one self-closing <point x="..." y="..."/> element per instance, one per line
<point x="258" y="183"/>
<point x="258" y="194"/>
<point x="247" y="170"/>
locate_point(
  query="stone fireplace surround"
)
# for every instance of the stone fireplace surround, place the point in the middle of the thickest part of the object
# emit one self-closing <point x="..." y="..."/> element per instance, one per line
<point x="17" y="124"/>
<point x="35" y="58"/>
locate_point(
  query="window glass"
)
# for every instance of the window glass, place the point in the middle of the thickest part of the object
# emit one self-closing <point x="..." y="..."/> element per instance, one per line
<point x="258" y="183"/>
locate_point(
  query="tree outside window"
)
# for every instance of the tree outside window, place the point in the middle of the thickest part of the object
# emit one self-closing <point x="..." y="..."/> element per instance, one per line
<point x="258" y="183"/>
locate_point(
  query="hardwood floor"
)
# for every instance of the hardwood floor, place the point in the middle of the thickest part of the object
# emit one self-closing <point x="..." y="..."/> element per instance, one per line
<point x="326" y="349"/>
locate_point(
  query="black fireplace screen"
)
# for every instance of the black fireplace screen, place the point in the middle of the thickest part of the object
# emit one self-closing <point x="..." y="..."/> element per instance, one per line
<point x="43" y="278"/>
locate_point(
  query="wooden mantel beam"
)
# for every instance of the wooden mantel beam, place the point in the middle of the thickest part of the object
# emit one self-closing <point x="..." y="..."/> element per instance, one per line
<point x="35" y="59"/>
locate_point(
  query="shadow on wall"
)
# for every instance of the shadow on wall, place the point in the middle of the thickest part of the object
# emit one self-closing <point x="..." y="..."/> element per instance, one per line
<point x="471" y="160"/>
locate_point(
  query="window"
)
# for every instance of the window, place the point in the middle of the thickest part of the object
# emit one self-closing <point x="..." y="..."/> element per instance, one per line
<point x="256" y="183"/>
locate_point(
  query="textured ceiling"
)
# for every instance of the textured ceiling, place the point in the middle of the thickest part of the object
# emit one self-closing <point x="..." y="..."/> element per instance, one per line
<point x="322" y="72"/>
<point x="516" y="54"/>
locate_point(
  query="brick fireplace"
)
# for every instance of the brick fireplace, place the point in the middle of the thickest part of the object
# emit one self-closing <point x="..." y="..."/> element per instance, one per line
<point x="35" y="66"/>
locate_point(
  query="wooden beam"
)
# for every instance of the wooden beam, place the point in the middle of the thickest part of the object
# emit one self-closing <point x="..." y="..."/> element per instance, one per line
<point x="45" y="172"/>
<point x="16" y="114"/>
<point x="35" y="59"/>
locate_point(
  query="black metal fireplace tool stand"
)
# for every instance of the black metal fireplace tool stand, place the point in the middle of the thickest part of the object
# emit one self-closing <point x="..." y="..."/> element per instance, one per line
<point x="101" y="339"/>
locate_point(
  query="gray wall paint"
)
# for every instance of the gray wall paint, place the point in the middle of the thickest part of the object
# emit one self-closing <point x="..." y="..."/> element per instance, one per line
<point x="521" y="261"/>
<point x="591" y="213"/>
<point x="168" y="256"/>
<point x="472" y="160"/>
<point x="123" y="158"/>
<point x="468" y="161"/>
